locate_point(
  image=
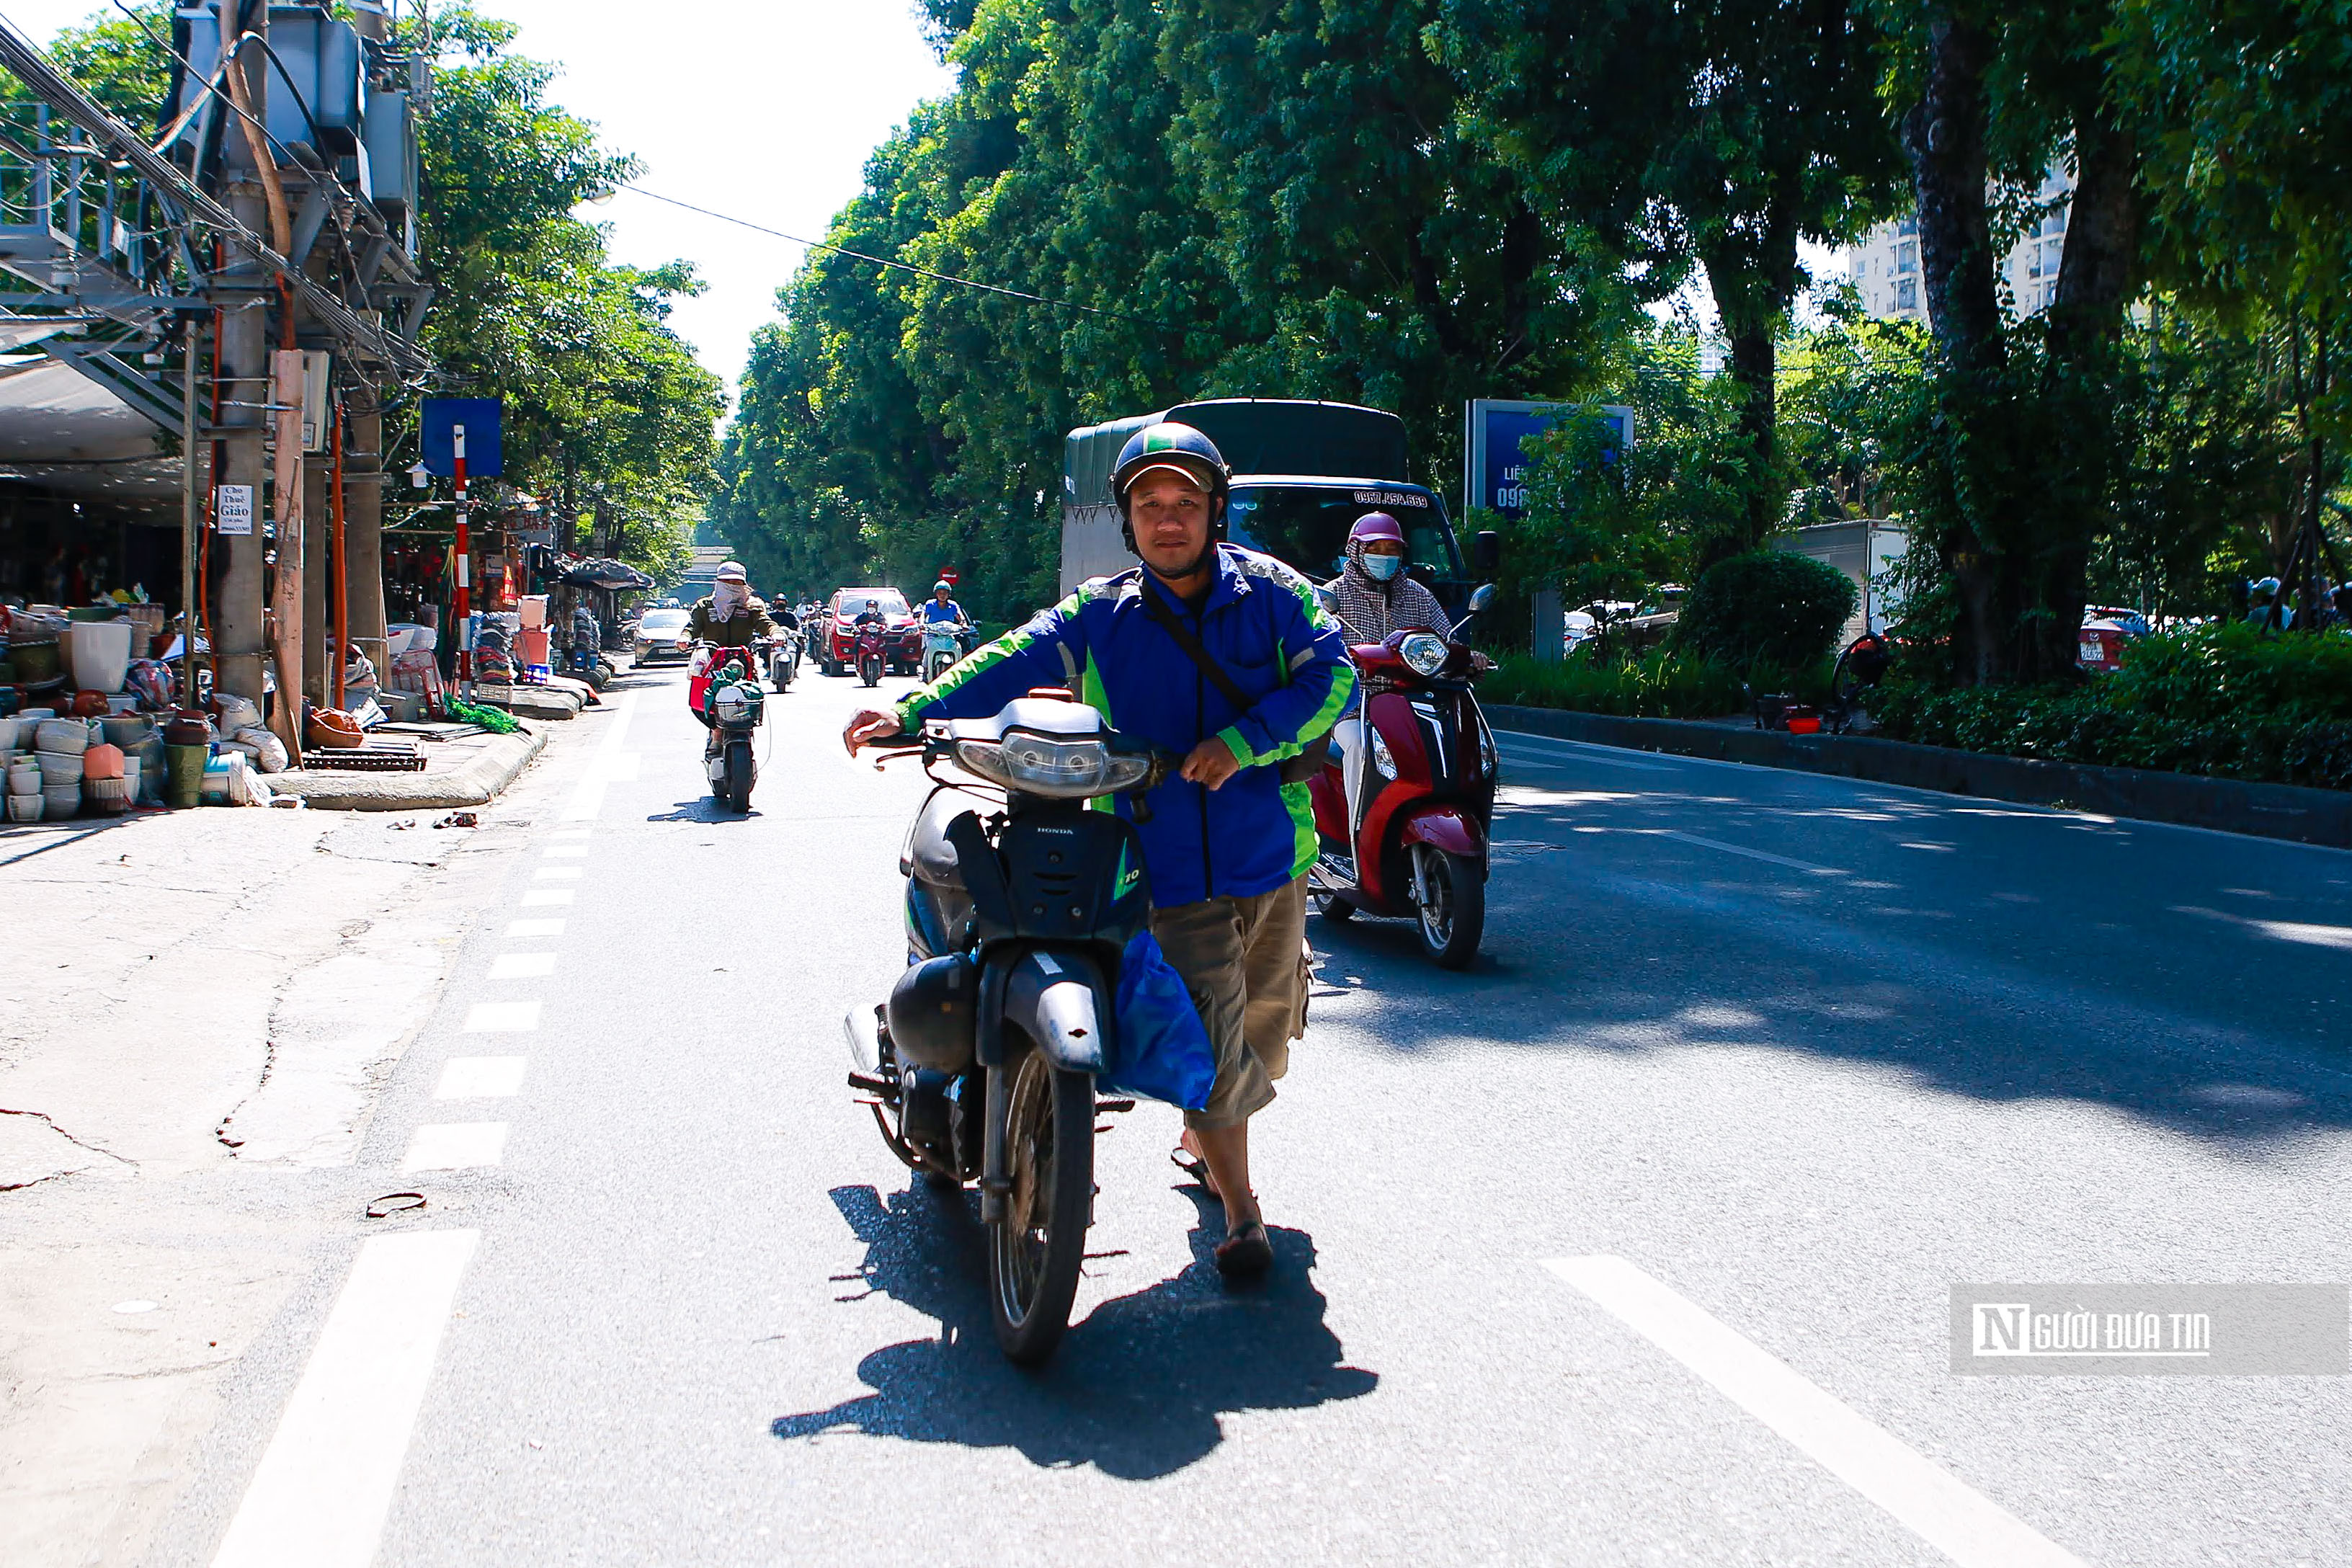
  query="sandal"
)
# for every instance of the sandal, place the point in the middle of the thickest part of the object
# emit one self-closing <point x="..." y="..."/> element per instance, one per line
<point x="1246" y="1254"/>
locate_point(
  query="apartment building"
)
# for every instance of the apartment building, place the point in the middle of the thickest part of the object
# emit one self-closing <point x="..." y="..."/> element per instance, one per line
<point x="1885" y="266"/>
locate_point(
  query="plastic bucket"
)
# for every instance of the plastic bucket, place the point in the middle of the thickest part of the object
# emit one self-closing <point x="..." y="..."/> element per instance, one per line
<point x="25" y="808"/>
<point x="59" y="768"/>
<point x="100" y="653"/>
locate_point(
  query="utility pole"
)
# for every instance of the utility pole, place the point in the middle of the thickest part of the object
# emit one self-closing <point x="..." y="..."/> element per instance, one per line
<point x="244" y="367"/>
<point x="359" y="435"/>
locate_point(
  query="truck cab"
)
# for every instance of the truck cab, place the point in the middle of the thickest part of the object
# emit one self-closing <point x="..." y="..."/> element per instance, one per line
<point x="1303" y="473"/>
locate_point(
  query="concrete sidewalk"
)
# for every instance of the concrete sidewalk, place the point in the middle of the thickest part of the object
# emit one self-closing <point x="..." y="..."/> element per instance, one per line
<point x="203" y="1006"/>
<point x="463" y="766"/>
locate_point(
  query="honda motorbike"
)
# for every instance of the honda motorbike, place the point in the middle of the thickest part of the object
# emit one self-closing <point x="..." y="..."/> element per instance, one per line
<point x="723" y="689"/>
<point x="942" y="646"/>
<point x="867" y="653"/>
<point x="1416" y="843"/>
<point x="1020" y="904"/>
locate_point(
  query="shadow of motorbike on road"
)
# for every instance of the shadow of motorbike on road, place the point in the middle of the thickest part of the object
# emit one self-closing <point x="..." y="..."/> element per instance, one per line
<point x="1137" y="1390"/>
<point x="702" y="809"/>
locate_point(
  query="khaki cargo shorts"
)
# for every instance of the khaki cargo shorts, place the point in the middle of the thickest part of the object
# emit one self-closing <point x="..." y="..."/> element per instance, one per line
<point x="1246" y="962"/>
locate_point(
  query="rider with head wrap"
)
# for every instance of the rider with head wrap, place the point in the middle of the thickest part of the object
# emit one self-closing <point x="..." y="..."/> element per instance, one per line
<point x="1375" y="594"/>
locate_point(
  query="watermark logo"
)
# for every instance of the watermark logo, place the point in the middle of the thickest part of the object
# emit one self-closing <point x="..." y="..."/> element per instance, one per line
<point x="2126" y="1330"/>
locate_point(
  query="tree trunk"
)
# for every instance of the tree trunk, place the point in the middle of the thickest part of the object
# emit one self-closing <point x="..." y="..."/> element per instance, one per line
<point x="1944" y="136"/>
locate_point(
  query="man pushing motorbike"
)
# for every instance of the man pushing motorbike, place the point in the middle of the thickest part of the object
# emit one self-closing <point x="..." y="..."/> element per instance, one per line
<point x="1227" y="657"/>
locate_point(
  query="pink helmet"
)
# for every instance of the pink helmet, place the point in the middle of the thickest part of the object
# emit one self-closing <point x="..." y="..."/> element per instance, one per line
<point x="1375" y="525"/>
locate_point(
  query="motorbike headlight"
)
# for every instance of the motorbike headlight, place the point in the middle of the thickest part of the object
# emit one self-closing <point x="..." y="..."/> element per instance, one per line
<point x="1041" y="765"/>
<point x="1424" y="653"/>
<point x="1487" y="759"/>
<point x="1381" y="760"/>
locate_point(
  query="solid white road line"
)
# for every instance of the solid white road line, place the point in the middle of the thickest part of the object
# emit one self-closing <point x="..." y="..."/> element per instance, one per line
<point x="1964" y="1525"/>
<point x="588" y="795"/>
<point x="481" y="1078"/>
<point x="541" y="897"/>
<point x="501" y="1017"/>
<point x="1740" y="849"/>
<point x="534" y="928"/>
<point x="455" y="1146"/>
<point x="325" y="1483"/>
<point x="522" y="966"/>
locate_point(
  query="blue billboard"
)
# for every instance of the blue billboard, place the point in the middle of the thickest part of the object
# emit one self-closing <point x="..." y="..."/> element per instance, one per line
<point x="1495" y="470"/>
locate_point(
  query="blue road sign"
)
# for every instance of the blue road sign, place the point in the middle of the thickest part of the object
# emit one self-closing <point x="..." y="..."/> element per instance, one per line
<point x="479" y="415"/>
<point x="1493" y="468"/>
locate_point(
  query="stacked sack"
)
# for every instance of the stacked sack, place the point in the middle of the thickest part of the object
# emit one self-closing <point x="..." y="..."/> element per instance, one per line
<point x="243" y="731"/>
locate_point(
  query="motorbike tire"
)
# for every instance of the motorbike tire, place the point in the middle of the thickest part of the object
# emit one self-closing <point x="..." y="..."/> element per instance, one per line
<point x="869" y="672"/>
<point x="735" y="786"/>
<point x="1036" y="1251"/>
<point x="1450" y="906"/>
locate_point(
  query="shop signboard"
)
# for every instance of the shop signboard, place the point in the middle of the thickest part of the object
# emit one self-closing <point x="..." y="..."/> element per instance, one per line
<point x="479" y="416"/>
<point x="232" y="510"/>
<point x="1493" y="468"/>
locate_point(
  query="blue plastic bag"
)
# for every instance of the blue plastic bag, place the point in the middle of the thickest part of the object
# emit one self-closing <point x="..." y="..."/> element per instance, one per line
<point x="1163" y="1048"/>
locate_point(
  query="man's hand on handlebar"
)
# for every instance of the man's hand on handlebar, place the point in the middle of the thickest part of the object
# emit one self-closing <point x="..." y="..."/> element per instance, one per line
<point x="869" y="725"/>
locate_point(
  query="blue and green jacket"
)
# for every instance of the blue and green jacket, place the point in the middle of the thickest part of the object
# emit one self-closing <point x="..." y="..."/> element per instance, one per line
<point x="1264" y="624"/>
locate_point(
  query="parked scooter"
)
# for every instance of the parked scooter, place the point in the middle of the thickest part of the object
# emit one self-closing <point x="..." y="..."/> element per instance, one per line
<point x="868" y="654"/>
<point x="721" y="687"/>
<point x="942" y="646"/>
<point x="982" y="1063"/>
<point x="1427" y="795"/>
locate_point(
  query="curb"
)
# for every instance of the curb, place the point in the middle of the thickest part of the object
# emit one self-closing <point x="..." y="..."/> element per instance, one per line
<point x="2301" y="815"/>
<point x="476" y="783"/>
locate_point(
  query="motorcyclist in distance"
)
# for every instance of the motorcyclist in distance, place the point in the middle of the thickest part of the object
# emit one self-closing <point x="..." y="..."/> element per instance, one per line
<point x="1374" y="597"/>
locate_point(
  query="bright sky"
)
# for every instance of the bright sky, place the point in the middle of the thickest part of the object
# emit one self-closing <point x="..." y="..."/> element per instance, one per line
<point x="762" y="109"/>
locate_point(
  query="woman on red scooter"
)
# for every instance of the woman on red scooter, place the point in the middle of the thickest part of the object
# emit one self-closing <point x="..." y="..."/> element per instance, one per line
<point x="1373" y="596"/>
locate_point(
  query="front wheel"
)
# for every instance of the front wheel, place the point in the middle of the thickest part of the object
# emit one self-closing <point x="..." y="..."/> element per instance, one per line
<point x="1034" y="1253"/>
<point x="1450" y="897"/>
<point x="870" y="671"/>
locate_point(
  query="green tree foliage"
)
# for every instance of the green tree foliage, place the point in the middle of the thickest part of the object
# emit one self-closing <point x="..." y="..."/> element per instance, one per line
<point x="1269" y="197"/>
<point x="1719" y="134"/>
<point x="114" y="59"/>
<point x="607" y="413"/>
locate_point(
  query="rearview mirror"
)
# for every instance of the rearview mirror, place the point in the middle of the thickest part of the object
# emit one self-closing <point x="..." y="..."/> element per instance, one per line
<point x="1482" y="596"/>
<point x="1486" y="552"/>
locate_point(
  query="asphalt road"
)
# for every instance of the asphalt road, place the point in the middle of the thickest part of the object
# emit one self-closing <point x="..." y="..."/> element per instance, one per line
<point x="1804" y="1053"/>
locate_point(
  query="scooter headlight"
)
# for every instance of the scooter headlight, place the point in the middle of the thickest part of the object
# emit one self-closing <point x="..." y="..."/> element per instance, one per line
<point x="1381" y="760"/>
<point x="1064" y="769"/>
<point x="1424" y="653"/>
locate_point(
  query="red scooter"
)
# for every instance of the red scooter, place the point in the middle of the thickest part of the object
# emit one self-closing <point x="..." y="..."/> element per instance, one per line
<point x="868" y="654"/>
<point x="1427" y="794"/>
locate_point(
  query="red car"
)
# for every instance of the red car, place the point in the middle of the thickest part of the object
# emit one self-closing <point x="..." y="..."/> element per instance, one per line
<point x="903" y="645"/>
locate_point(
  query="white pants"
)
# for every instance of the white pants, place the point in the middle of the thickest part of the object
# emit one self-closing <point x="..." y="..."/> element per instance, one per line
<point x="1348" y="736"/>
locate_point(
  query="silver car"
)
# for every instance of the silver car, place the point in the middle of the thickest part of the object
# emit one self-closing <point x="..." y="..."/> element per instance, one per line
<point x="662" y="634"/>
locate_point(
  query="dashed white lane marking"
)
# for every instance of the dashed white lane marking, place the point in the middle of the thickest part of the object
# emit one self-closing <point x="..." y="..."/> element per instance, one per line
<point x="559" y="851"/>
<point x="557" y="874"/>
<point x="1963" y="1524"/>
<point x="455" y="1146"/>
<point x="607" y="765"/>
<point x="572" y="833"/>
<point x="541" y="897"/>
<point x="534" y="928"/>
<point x="481" y="1078"/>
<point x="501" y="1017"/>
<point x="325" y="1483"/>
<point x="1718" y="844"/>
<point x="522" y="966"/>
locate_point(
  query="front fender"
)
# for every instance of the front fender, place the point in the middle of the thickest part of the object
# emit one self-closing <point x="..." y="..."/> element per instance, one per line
<point x="1445" y="828"/>
<point x="1058" y="999"/>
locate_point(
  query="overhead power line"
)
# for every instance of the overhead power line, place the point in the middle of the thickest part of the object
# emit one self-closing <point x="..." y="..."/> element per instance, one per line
<point x="898" y="266"/>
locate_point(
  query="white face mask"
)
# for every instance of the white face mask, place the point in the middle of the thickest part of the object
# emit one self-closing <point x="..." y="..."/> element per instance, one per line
<point x="1383" y="567"/>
